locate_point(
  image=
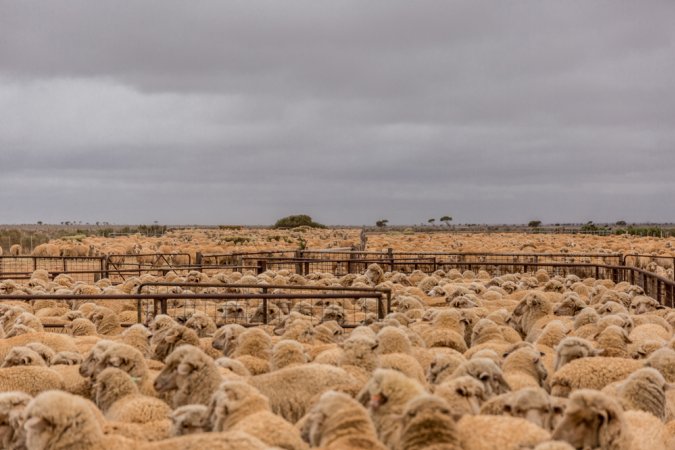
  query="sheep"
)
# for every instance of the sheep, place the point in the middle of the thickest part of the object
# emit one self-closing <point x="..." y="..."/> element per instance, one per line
<point x="225" y="338"/>
<point x="238" y="406"/>
<point x="426" y="423"/>
<point x="23" y="356"/>
<point x="191" y="373"/>
<point x="118" y="397"/>
<point x="29" y="379"/>
<point x="172" y="338"/>
<point x="81" y="327"/>
<point x="591" y="373"/>
<point x="128" y="359"/>
<point x="58" y="421"/>
<point x="386" y="394"/>
<point x="190" y="419"/>
<point x="523" y="367"/>
<point x="531" y="309"/>
<point x="644" y="389"/>
<point x="663" y="360"/>
<point x="595" y="420"/>
<point x="287" y="352"/>
<point x="66" y="358"/>
<point x="158" y="327"/>
<point x="57" y="342"/>
<point x="405" y="364"/>
<point x="374" y="274"/>
<point x="483" y="432"/>
<point x="12" y="404"/>
<point x="106" y="321"/>
<point x="465" y="395"/>
<point x="487" y="372"/>
<point x="203" y="325"/>
<point x="302" y="383"/>
<point x="89" y="364"/>
<point x="532" y="404"/>
<point x="572" y="348"/>
<point x="339" y="422"/>
<point x="613" y="341"/>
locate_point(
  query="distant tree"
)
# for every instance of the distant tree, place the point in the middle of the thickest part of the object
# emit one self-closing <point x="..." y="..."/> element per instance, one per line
<point x="39" y="222"/>
<point x="534" y="223"/>
<point x="446" y="220"/>
<point x="431" y="221"/>
<point x="621" y="223"/>
<point x="301" y="220"/>
<point x="382" y="223"/>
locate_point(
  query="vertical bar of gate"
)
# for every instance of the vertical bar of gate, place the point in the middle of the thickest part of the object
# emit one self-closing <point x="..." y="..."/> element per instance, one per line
<point x="198" y="261"/>
<point x="264" y="305"/>
<point x="390" y="255"/>
<point x="380" y="308"/>
<point x="139" y="307"/>
<point x="658" y="291"/>
<point x="298" y="265"/>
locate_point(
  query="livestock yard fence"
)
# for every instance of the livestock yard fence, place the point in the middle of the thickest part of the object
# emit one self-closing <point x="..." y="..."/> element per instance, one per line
<point x="653" y="273"/>
<point x="248" y="305"/>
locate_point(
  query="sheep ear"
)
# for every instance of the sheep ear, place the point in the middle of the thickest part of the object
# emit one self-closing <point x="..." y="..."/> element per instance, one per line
<point x="279" y="331"/>
<point x="35" y="424"/>
<point x="185" y="368"/>
<point x="598" y="351"/>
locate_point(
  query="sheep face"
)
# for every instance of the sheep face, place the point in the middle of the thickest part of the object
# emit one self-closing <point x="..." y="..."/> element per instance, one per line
<point x="572" y="348"/>
<point x="125" y="358"/>
<point x="12" y="405"/>
<point x="334" y="312"/>
<point x="232" y="311"/>
<point x="189" y="419"/>
<point x="488" y="373"/>
<point x="23" y="356"/>
<point x="179" y="365"/>
<point x="532" y="405"/>
<point x="591" y="420"/>
<point x="644" y="305"/>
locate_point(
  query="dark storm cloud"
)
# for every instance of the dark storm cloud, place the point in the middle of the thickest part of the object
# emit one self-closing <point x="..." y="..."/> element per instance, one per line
<point x="214" y="112"/>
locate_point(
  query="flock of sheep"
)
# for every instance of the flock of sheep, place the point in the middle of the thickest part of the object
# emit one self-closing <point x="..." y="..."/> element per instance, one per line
<point x="463" y="361"/>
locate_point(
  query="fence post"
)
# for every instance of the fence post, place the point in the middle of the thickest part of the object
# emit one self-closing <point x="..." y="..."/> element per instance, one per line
<point x="198" y="261"/>
<point x="298" y="265"/>
<point x="264" y="305"/>
<point x="139" y="307"/>
<point x="390" y="255"/>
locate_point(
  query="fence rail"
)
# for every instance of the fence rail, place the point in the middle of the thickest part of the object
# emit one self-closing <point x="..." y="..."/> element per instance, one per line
<point x="216" y="305"/>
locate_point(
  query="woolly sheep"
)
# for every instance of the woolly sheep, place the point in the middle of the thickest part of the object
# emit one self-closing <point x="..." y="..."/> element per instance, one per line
<point x="239" y="406"/>
<point x="29" y="379"/>
<point x="203" y="325"/>
<point x="531" y="404"/>
<point x="523" y="367"/>
<point x="595" y="420"/>
<point x="118" y="397"/>
<point x="301" y="385"/>
<point x="503" y="433"/>
<point x="427" y="423"/>
<point x="191" y="374"/>
<point x="66" y="358"/>
<point x="487" y="372"/>
<point x="173" y="337"/>
<point x="287" y="352"/>
<point x="591" y="373"/>
<point x="613" y="341"/>
<point x="644" y="389"/>
<point x="465" y="395"/>
<point x="386" y="394"/>
<point x="339" y="422"/>
<point x="190" y="419"/>
<point x="12" y="404"/>
<point x="572" y="348"/>
<point x="59" y="421"/>
<point x="23" y="356"/>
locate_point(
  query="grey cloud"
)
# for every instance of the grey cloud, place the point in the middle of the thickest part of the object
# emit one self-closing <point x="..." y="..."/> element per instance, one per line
<point x="244" y="111"/>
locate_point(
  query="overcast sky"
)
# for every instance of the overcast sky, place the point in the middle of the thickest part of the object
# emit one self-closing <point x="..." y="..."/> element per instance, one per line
<point x="241" y="112"/>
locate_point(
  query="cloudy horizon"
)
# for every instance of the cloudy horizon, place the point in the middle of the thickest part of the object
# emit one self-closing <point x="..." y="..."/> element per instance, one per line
<point x="243" y="112"/>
